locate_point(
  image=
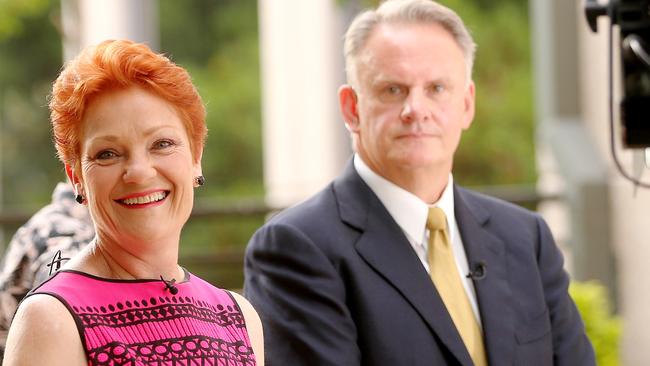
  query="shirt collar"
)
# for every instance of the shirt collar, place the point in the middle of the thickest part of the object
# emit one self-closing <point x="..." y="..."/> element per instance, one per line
<point x="408" y="210"/>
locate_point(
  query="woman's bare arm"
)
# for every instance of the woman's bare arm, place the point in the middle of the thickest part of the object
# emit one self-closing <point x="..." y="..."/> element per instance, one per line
<point x="43" y="332"/>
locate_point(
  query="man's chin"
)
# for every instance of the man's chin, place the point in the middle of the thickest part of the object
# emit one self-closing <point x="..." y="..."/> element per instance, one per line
<point x="421" y="162"/>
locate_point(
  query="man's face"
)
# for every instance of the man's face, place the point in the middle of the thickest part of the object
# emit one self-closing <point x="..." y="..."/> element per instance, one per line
<point x="412" y="101"/>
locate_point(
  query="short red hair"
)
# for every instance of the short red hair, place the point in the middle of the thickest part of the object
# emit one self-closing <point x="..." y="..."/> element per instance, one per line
<point x="116" y="65"/>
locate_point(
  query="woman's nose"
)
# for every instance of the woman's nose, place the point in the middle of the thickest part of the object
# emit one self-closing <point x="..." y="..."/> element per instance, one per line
<point x="138" y="169"/>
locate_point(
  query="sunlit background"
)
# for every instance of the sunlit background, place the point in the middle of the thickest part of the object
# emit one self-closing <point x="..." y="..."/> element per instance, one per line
<point x="268" y="71"/>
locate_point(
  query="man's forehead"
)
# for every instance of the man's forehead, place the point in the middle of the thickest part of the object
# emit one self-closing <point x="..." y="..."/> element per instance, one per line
<point x="396" y="31"/>
<point x="391" y="43"/>
<point x="389" y="40"/>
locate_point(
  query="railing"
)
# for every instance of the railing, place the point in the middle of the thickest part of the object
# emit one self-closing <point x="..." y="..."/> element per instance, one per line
<point x="524" y="195"/>
<point x="224" y="266"/>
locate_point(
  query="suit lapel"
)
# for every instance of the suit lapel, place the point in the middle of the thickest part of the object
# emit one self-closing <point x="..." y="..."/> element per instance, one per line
<point x="385" y="248"/>
<point x="492" y="292"/>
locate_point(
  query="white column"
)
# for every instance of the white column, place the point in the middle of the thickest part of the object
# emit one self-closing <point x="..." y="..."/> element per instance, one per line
<point x="305" y="144"/>
<point x="88" y="22"/>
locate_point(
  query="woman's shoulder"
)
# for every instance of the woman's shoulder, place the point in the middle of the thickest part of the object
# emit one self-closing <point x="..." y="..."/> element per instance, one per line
<point x="247" y="309"/>
<point x="253" y="326"/>
<point x="41" y="328"/>
<point x="41" y="307"/>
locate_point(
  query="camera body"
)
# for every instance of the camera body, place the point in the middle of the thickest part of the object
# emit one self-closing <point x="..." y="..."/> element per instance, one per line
<point x="633" y="19"/>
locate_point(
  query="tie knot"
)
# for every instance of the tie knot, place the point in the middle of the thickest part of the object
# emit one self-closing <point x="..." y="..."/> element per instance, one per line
<point x="436" y="219"/>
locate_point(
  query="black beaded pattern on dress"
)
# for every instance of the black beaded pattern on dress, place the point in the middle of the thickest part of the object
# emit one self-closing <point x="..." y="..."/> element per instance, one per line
<point x="189" y="350"/>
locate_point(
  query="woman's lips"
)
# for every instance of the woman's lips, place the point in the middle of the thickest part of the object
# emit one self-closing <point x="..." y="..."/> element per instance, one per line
<point x="143" y="199"/>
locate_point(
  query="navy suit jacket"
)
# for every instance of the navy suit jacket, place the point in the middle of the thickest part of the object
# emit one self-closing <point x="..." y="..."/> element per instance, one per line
<point x="336" y="282"/>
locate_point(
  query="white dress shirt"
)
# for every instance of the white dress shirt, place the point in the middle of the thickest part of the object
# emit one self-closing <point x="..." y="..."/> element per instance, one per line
<point x="410" y="213"/>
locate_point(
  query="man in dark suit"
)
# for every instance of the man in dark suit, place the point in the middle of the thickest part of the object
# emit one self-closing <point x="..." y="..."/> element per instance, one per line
<point x="393" y="264"/>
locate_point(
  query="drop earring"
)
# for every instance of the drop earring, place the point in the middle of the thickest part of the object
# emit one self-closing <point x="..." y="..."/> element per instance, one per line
<point x="78" y="196"/>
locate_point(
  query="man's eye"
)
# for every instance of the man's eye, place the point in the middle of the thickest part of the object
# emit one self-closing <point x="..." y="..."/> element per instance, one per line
<point x="438" y="88"/>
<point x="394" y="90"/>
<point x="105" y="155"/>
<point x="393" y="93"/>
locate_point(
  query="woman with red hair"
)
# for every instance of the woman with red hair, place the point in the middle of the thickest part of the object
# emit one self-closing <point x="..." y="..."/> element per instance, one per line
<point x="129" y="126"/>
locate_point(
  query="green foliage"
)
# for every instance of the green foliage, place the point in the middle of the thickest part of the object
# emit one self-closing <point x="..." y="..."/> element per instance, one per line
<point x="30" y="55"/>
<point x="213" y="248"/>
<point x="222" y="56"/>
<point x="13" y="13"/>
<point x="604" y="329"/>
<point x="216" y="41"/>
<point x="499" y="147"/>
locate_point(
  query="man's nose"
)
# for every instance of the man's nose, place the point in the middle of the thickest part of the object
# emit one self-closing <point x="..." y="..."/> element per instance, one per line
<point x="416" y="107"/>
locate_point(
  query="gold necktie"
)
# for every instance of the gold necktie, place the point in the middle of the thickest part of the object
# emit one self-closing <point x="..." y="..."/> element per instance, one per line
<point x="444" y="273"/>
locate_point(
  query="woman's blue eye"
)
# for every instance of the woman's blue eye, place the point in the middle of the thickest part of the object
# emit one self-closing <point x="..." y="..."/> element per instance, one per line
<point x="163" y="144"/>
<point x="106" y="154"/>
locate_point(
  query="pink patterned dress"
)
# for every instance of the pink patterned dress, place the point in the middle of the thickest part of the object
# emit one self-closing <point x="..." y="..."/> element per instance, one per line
<point x="140" y="322"/>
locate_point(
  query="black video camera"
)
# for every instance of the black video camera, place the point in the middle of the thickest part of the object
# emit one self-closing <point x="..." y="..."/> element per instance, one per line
<point x="633" y="19"/>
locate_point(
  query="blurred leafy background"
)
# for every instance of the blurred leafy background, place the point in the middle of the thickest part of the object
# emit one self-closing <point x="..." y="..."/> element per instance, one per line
<point x="603" y="328"/>
<point x="217" y="41"/>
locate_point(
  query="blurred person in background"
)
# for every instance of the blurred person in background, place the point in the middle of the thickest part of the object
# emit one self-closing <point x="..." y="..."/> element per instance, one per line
<point x="52" y="236"/>
<point x="393" y="263"/>
<point x="129" y="127"/>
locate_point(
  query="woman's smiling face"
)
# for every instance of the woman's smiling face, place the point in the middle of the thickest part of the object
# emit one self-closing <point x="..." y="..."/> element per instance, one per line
<point x="137" y="167"/>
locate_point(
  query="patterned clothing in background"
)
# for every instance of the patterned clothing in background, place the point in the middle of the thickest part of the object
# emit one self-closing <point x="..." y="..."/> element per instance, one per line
<point x="153" y="322"/>
<point x="62" y="225"/>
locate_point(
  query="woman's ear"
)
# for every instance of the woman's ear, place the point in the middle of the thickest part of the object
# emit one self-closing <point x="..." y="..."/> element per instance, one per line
<point x="70" y="173"/>
<point x="197" y="169"/>
<point x="76" y="185"/>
